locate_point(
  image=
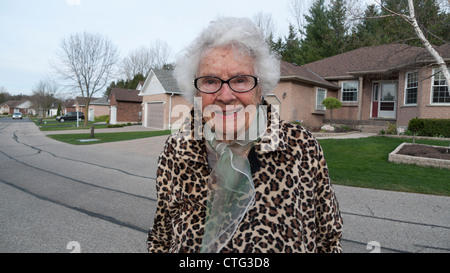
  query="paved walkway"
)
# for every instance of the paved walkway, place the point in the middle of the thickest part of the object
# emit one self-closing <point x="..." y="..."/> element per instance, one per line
<point x="132" y="128"/>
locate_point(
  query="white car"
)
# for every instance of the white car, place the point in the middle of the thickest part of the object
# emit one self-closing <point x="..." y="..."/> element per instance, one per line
<point x="17" y="116"/>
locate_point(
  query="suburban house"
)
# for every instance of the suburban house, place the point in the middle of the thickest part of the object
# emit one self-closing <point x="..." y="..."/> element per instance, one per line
<point x="125" y="106"/>
<point x="7" y="106"/>
<point x="23" y="106"/>
<point x="376" y="85"/>
<point x="387" y="83"/>
<point x="98" y="107"/>
<point x="160" y="95"/>
<point x="67" y="106"/>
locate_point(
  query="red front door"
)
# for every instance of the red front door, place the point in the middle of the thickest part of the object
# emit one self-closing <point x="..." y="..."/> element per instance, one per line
<point x="375" y="99"/>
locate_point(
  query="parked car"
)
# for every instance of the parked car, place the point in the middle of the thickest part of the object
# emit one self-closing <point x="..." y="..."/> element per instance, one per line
<point x="70" y="116"/>
<point x="17" y="116"/>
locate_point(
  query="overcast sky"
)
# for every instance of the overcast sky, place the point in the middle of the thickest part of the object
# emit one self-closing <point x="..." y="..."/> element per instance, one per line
<point x="31" y="31"/>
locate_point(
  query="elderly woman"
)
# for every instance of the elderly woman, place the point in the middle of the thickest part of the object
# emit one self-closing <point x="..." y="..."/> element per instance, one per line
<point x="235" y="178"/>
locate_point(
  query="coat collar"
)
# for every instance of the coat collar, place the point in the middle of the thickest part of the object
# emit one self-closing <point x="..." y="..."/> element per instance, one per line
<point x="190" y="143"/>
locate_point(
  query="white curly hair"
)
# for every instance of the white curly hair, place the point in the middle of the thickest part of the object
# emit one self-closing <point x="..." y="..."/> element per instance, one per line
<point x="244" y="37"/>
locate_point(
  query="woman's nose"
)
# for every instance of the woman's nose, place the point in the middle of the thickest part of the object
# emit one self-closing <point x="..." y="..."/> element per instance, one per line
<point x="226" y="94"/>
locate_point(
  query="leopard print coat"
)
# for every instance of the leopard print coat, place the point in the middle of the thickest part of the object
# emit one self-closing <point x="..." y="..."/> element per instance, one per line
<point x="295" y="207"/>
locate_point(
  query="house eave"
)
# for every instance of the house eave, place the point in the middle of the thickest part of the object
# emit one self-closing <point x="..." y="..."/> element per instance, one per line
<point x="368" y="72"/>
<point x="309" y="81"/>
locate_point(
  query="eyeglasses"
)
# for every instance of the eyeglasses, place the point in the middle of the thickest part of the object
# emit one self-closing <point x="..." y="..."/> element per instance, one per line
<point x="239" y="84"/>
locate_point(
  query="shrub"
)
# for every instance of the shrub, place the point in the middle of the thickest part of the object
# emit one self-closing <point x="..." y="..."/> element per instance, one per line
<point x="331" y="103"/>
<point x="101" y="118"/>
<point x="297" y="122"/>
<point x="392" y="129"/>
<point x="115" y="125"/>
<point x="430" y="127"/>
<point x="415" y="126"/>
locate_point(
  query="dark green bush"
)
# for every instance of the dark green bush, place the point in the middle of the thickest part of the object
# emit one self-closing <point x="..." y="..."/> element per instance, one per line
<point x="430" y="127"/>
<point x="101" y="118"/>
<point x="416" y="125"/>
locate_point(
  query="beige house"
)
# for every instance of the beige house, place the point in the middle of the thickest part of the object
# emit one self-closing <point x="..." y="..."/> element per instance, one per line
<point x="376" y="85"/>
<point x="162" y="102"/>
<point x="98" y="107"/>
<point x="388" y="83"/>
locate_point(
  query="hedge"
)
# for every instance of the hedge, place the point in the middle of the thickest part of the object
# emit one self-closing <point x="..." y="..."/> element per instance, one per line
<point x="430" y="127"/>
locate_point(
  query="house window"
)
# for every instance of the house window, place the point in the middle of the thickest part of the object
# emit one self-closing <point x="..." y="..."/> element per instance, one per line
<point x="321" y="94"/>
<point x="350" y="91"/>
<point x="411" y="87"/>
<point x="440" y="89"/>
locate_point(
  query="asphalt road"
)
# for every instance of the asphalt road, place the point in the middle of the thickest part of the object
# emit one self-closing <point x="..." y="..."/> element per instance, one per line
<point x="59" y="198"/>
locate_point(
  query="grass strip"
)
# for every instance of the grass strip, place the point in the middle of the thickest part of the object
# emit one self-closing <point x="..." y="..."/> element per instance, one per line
<point x="364" y="163"/>
<point x="106" y="137"/>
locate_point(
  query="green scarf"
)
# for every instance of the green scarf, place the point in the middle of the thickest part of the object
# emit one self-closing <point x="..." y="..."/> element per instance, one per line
<point x="231" y="189"/>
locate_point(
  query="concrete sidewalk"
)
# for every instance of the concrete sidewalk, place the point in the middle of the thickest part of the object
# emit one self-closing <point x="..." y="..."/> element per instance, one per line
<point x="132" y="128"/>
<point x="343" y="135"/>
<point x="139" y="128"/>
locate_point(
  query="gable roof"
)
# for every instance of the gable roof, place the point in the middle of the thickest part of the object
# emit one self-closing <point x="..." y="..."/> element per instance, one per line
<point x="160" y="82"/>
<point x="99" y="101"/>
<point x="129" y="95"/>
<point x="22" y="104"/>
<point x="290" y="71"/>
<point x="167" y="80"/>
<point x="372" y="59"/>
<point x="10" y="103"/>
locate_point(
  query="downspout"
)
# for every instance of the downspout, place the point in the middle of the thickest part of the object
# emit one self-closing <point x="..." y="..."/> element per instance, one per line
<point x="360" y="93"/>
<point x="170" y="111"/>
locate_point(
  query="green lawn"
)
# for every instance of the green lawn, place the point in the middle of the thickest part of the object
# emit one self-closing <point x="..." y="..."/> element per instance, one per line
<point x="353" y="162"/>
<point x="106" y="137"/>
<point x="364" y="163"/>
<point x="53" y="125"/>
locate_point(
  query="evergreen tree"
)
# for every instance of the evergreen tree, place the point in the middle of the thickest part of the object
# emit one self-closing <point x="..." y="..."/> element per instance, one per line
<point x="369" y="31"/>
<point x="315" y="45"/>
<point x="290" y="50"/>
<point x="337" y="20"/>
<point x="432" y="20"/>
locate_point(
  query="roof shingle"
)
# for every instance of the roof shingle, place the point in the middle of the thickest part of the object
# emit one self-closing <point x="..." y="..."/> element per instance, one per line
<point x="122" y="94"/>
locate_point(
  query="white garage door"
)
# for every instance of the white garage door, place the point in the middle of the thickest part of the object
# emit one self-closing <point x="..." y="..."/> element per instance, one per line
<point x="155" y="115"/>
<point x="113" y="117"/>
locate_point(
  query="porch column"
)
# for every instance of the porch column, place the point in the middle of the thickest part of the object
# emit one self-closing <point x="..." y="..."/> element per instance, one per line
<point x="360" y="92"/>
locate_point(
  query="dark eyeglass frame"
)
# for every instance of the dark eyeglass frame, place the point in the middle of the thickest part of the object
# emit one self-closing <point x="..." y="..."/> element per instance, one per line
<point x="227" y="82"/>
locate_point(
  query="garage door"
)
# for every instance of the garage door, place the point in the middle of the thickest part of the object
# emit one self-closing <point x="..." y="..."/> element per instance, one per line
<point x="113" y="118"/>
<point x="155" y="115"/>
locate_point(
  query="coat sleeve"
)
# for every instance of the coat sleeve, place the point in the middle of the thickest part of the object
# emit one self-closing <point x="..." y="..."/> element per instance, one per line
<point x="328" y="217"/>
<point x="160" y="235"/>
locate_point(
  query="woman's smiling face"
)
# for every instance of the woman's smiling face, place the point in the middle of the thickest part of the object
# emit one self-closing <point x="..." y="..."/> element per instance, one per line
<point x="229" y="113"/>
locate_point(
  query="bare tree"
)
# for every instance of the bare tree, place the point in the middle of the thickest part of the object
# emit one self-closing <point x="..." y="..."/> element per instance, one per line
<point x="139" y="61"/>
<point x="143" y="60"/>
<point x="412" y="20"/>
<point x="265" y="22"/>
<point x="161" y="53"/>
<point x="43" y="95"/>
<point x="87" y="61"/>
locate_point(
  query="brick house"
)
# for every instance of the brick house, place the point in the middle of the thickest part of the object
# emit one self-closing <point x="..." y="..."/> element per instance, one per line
<point x="377" y="84"/>
<point x="160" y="98"/>
<point x="98" y="107"/>
<point x="125" y="106"/>
<point x="388" y="83"/>
<point x="22" y="106"/>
